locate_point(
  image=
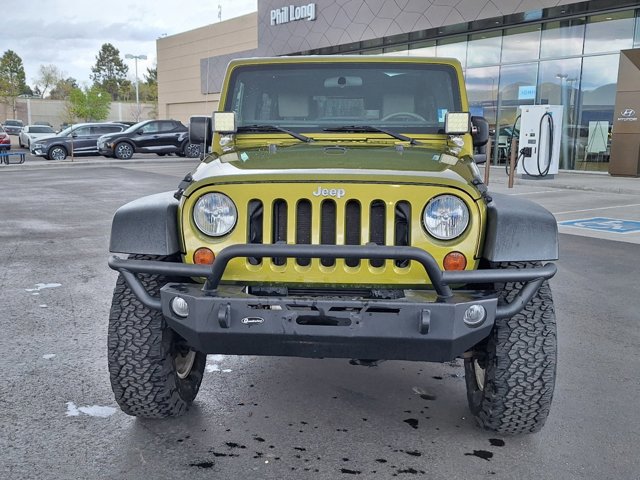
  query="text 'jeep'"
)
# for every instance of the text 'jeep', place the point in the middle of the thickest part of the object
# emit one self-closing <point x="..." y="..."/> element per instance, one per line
<point x="340" y="214"/>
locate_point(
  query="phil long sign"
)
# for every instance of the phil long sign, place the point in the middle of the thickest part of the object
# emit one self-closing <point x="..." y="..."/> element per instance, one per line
<point x="293" y="13"/>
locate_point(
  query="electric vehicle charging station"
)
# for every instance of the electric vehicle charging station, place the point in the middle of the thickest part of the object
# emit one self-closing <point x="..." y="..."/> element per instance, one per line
<point x="539" y="142"/>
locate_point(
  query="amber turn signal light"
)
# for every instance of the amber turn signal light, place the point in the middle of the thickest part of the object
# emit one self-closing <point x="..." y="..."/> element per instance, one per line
<point x="203" y="256"/>
<point x="455" y="261"/>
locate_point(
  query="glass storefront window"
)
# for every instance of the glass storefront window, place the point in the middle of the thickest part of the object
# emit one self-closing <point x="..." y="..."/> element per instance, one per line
<point x="396" y="50"/>
<point x="610" y="32"/>
<point x="482" y="91"/>
<point x="559" y="84"/>
<point x="455" y="47"/>
<point x="517" y="87"/>
<point x="521" y="44"/>
<point x="484" y="49"/>
<point x="562" y="39"/>
<point x="423" y="49"/>
<point x="598" y="98"/>
<point x="636" y="41"/>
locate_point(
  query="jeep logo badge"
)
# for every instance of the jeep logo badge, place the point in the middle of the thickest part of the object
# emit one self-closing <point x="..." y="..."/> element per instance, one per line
<point x="252" y="320"/>
<point x="329" y="192"/>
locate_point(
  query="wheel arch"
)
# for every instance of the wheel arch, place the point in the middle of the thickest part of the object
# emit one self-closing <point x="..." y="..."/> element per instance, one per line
<point x="58" y="145"/>
<point x="148" y="225"/>
<point x="519" y="230"/>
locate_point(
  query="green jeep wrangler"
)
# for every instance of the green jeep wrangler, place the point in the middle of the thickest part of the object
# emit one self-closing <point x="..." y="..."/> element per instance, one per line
<point x="340" y="214"/>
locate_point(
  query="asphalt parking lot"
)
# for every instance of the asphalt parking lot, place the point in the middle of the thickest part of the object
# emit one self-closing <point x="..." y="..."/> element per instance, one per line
<point x="290" y="418"/>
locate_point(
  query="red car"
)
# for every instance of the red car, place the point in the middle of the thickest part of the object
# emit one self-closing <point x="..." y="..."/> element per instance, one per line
<point x="5" y="141"/>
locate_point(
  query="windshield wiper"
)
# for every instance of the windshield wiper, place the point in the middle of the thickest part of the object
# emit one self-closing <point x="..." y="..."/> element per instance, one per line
<point x="274" y="128"/>
<point x="371" y="128"/>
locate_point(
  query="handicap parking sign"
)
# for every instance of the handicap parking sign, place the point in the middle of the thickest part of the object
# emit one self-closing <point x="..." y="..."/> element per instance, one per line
<point x="603" y="224"/>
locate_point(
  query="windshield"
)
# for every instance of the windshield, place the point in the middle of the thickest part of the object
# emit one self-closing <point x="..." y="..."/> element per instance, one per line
<point x="66" y="131"/>
<point x="133" y="127"/>
<point x="13" y="123"/>
<point x="42" y="129"/>
<point x="307" y="97"/>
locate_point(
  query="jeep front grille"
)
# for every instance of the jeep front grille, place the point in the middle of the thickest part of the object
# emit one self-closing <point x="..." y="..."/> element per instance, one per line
<point x="341" y="223"/>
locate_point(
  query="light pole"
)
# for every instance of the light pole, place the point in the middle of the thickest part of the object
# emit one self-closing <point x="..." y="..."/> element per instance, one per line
<point x="136" y="58"/>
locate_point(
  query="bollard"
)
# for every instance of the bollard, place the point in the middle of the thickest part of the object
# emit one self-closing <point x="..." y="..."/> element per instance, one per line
<point x="487" y="163"/>
<point x="512" y="162"/>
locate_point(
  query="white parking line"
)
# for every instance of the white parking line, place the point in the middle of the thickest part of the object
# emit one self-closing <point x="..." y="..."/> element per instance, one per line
<point x="599" y="208"/>
<point x="530" y="193"/>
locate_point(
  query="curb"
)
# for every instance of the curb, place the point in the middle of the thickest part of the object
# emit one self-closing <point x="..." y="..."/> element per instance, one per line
<point x="67" y="163"/>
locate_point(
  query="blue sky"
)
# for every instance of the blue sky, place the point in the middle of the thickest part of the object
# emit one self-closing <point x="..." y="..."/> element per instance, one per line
<point x="69" y="33"/>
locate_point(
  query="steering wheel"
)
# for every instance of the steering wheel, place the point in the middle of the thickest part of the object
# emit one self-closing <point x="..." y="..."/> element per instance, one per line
<point x="409" y="115"/>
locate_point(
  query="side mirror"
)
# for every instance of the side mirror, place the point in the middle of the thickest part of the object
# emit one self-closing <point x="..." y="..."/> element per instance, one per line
<point x="480" y="158"/>
<point x="139" y="132"/>
<point x="200" y="130"/>
<point x="479" y="131"/>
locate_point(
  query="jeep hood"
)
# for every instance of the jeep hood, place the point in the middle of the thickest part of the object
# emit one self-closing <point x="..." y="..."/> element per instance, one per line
<point x="322" y="162"/>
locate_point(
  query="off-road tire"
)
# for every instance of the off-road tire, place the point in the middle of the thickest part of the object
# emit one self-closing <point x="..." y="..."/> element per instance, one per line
<point x="142" y="353"/>
<point x="516" y="364"/>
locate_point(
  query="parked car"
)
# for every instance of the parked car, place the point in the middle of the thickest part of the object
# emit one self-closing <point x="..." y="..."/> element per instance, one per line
<point x="13" y="127"/>
<point x="151" y="136"/>
<point x="80" y="138"/>
<point x="5" y="141"/>
<point x="33" y="132"/>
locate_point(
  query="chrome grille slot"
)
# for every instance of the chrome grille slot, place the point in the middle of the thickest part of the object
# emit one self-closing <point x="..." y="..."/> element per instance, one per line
<point x="402" y="229"/>
<point x="279" y="231"/>
<point x="377" y="227"/>
<point x="303" y="228"/>
<point x="352" y="228"/>
<point x="328" y="228"/>
<point x="255" y="214"/>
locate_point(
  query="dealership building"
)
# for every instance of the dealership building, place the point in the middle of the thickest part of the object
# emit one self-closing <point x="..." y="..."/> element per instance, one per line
<point x="513" y="52"/>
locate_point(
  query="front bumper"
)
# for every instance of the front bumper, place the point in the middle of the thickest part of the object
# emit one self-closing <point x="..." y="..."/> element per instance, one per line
<point x="105" y="149"/>
<point x="38" y="150"/>
<point x="425" y="325"/>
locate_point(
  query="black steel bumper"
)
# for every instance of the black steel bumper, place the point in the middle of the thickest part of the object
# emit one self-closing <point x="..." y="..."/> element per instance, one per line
<point x="426" y="325"/>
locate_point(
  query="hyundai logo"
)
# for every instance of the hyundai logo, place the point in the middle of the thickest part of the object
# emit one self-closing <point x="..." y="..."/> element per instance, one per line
<point x="629" y="112"/>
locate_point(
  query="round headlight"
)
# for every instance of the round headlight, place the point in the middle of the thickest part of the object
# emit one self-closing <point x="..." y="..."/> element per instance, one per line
<point x="215" y="214"/>
<point x="446" y="217"/>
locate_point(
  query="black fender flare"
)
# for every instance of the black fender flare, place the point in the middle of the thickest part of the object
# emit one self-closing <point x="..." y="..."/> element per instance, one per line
<point x="519" y="230"/>
<point x="148" y="225"/>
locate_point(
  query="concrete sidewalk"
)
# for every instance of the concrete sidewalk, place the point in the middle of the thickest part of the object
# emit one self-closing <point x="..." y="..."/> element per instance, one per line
<point x="569" y="180"/>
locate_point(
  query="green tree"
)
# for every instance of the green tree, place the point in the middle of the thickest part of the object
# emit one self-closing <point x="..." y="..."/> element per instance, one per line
<point x="110" y="72"/>
<point x="63" y="88"/>
<point x="151" y="81"/>
<point x="89" y="105"/>
<point x="48" y="77"/>
<point x="12" y="79"/>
